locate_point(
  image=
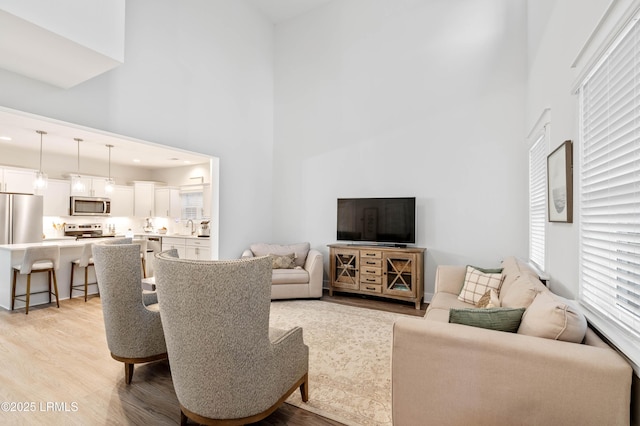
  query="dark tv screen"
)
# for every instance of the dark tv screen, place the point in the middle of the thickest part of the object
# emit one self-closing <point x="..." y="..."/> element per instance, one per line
<point x="377" y="220"/>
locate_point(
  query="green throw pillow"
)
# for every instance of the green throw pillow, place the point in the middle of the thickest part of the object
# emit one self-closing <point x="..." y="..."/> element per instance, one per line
<point x="500" y="319"/>
<point x="488" y="270"/>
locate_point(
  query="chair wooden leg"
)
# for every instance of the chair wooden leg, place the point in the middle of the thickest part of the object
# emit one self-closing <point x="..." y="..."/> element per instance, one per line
<point x="55" y="287"/>
<point x="128" y="372"/>
<point x="183" y="418"/>
<point x="26" y="312"/>
<point x="49" y="282"/>
<point x="304" y="388"/>
<point x="13" y="288"/>
<point x="86" y="281"/>
<point x="144" y="267"/>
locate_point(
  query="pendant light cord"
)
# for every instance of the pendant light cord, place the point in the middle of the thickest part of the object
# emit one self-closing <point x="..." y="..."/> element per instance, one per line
<point x="41" y="132"/>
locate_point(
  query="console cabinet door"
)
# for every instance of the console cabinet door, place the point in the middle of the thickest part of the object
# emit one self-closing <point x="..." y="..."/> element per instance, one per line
<point x="399" y="274"/>
<point x="344" y="264"/>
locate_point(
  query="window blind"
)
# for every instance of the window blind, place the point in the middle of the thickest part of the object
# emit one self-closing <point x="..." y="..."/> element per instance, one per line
<point x="537" y="201"/>
<point x="192" y="205"/>
<point x="609" y="213"/>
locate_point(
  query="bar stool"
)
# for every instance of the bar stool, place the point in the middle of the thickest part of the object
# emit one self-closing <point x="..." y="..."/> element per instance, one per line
<point x="142" y="242"/>
<point x="37" y="259"/>
<point x="84" y="262"/>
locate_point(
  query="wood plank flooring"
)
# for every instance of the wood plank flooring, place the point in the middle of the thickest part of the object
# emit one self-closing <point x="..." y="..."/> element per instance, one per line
<point x="56" y="365"/>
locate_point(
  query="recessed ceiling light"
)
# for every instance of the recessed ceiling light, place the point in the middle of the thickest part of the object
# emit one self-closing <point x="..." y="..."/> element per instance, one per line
<point x="136" y="160"/>
<point x="5" y="138"/>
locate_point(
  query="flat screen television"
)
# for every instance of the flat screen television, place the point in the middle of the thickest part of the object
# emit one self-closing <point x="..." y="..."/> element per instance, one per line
<point x="377" y="220"/>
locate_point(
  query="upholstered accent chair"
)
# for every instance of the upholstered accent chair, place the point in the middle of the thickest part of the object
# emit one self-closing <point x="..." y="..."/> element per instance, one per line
<point x="228" y="367"/>
<point x="134" y="331"/>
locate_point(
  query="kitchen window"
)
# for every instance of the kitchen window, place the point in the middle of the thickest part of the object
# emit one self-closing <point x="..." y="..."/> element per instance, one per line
<point x="609" y="188"/>
<point x="192" y="205"/>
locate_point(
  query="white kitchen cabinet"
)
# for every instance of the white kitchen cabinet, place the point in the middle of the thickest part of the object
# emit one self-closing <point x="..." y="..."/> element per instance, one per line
<point x="122" y="201"/>
<point x="93" y="187"/>
<point x="169" y="243"/>
<point x="188" y="248"/>
<point x="143" y="199"/>
<point x="197" y="249"/>
<point x="56" y="198"/>
<point x="167" y="202"/>
<point x="17" y="180"/>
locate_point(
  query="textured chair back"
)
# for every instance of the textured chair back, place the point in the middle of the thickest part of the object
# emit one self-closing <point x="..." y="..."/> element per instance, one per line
<point x="215" y="315"/>
<point x="40" y="254"/>
<point x="132" y="330"/>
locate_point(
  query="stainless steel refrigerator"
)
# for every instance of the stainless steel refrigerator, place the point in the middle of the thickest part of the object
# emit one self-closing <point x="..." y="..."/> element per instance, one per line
<point x="20" y="218"/>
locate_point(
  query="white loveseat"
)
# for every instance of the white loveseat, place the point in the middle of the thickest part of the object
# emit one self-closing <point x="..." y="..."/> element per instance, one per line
<point x="297" y="269"/>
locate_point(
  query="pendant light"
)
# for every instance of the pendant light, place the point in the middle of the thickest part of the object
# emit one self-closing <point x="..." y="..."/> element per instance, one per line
<point x="109" y="182"/>
<point x="42" y="180"/>
<point x="77" y="185"/>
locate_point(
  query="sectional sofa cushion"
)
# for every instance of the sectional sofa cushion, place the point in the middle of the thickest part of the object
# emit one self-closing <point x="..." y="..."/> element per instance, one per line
<point x="521" y="292"/>
<point x="553" y="317"/>
<point x="500" y="319"/>
<point x="300" y="250"/>
<point x="476" y="284"/>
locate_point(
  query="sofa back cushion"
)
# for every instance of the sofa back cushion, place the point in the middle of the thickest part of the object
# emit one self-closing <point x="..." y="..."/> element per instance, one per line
<point x="521" y="292"/>
<point x="300" y="250"/>
<point x="553" y="317"/>
<point x="512" y="269"/>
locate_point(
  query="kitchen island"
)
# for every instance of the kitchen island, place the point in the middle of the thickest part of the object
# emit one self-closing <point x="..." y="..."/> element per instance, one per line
<point x="12" y="254"/>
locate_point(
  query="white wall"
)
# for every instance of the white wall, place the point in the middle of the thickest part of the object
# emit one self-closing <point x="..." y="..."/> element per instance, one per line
<point x="405" y="98"/>
<point x="197" y="75"/>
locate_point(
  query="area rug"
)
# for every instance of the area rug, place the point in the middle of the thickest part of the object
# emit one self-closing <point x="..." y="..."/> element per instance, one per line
<point x="349" y="359"/>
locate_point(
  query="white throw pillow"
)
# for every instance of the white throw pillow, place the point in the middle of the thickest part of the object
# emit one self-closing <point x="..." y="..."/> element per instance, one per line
<point x="476" y="284"/>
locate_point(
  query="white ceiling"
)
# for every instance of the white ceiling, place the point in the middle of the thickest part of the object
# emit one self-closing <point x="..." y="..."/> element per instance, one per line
<point x="21" y="128"/>
<point x="278" y="11"/>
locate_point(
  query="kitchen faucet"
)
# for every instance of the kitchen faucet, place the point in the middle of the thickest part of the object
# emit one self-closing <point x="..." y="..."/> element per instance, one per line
<point x="193" y="231"/>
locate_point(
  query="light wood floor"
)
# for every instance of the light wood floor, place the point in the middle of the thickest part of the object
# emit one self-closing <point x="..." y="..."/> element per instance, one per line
<point x="56" y="365"/>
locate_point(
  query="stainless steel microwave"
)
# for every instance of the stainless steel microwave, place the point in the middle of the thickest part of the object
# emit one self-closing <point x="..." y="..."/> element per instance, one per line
<point x="90" y="206"/>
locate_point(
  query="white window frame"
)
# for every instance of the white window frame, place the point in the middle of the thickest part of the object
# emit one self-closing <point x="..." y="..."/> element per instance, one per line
<point x="607" y="249"/>
<point x="538" y="200"/>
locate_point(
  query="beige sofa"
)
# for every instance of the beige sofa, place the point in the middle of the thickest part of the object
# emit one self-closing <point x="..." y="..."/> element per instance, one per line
<point x="453" y="374"/>
<point x="297" y="269"/>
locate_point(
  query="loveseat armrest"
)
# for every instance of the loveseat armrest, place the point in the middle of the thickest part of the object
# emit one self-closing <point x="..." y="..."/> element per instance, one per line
<point x="314" y="266"/>
<point x="458" y="375"/>
<point x="450" y="278"/>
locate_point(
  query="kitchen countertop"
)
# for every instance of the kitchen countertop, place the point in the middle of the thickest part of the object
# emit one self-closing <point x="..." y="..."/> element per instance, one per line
<point x="155" y="234"/>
